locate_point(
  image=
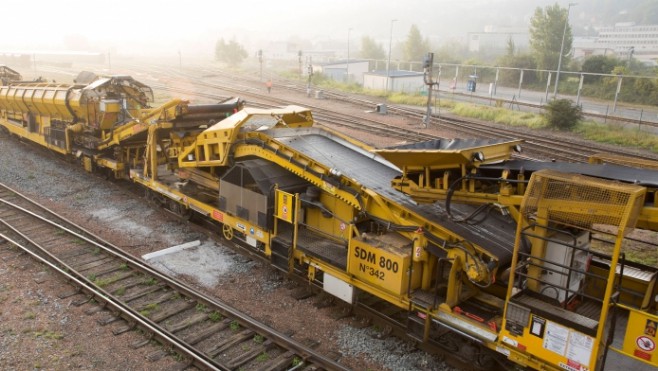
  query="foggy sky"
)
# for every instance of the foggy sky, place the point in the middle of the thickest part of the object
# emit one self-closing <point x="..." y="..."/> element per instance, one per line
<point x="192" y="26"/>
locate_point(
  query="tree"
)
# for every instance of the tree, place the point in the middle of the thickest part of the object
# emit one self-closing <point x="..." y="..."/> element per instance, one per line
<point x="415" y="47"/>
<point x="510" y="48"/>
<point x="519" y="62"/>
<point x="546" y="29"/>
<point x="599" y="64"/>
<point x="231" y="53"/>
<point x="370" y="49"/>
<point x="562" y="114"/>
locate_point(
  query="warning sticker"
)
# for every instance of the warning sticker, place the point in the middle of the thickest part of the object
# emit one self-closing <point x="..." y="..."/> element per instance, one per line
<point x="556" y="338"/>
<point x="645" y="343"/>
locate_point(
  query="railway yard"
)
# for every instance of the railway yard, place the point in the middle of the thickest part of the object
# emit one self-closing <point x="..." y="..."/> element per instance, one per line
<point x="226" y="294"/>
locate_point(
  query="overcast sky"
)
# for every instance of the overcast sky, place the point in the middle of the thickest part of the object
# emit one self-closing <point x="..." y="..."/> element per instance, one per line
<point x="138" y="26"/>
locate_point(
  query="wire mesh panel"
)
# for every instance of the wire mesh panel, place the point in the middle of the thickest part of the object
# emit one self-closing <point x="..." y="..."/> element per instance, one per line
<point x="582" y="201"/>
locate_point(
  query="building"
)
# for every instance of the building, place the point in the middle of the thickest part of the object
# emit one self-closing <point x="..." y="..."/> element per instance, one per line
<point x="400" y="81"/>
<point x="344" y="71"/>
<point x="52" y="58"/>
<point x="624" y="40"/>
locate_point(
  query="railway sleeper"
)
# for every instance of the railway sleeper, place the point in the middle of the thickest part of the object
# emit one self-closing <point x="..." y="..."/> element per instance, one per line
<point x="207" y="332"/>
<point x="228" y="343"/>
<point x="250" y="355"/>
<point x="280" y="362"/>
<point x="169" y="312"/>
<point x="141" y="343"/>
<point x="123" y="329"/>
<point x="187" y="322"/>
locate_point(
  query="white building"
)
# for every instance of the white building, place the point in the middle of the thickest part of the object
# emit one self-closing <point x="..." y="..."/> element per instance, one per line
<point x="623" y="41"/>
<point x="400" y="81"/>
<point x="344" y="71"/>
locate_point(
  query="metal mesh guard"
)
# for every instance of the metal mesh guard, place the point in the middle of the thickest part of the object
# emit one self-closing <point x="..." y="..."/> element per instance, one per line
<point x="582" y="201"/>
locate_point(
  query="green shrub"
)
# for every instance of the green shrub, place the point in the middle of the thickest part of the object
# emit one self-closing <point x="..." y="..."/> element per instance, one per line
<point x="562" y="114"/>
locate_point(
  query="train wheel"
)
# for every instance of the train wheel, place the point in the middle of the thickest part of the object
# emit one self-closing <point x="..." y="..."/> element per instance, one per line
<point x="485" y="360"/>
<point x="447" y="342"/>
<point x="227" y="231"/>
<point x="180" y="210"/>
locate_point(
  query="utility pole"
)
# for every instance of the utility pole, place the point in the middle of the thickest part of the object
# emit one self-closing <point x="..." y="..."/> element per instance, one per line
<point x="559" y="62"/>
<point x="388" y="62"/>
<point x="310" y="75"/>
<point x="299" y="58"/>
<point x="260" y="60"/>
<point x="428" y="63"/>
<point x="347" y="69"/>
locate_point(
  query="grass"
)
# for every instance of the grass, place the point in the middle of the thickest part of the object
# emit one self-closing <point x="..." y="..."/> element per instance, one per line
<point x="215" y="316"/>
<point x="47" y="334"/>
<point x="258" y="339"/>
<point x="200" y="307"/>
<point x="103" y="282"/>
<point x="618" y="135"/>
<point x="589" y="129"/>
<point x="263" y="357"/>
<point x="235" y="326"/>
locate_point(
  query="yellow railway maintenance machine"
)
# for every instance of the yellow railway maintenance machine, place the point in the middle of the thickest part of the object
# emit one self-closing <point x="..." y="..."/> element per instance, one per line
<point x="455" y="233"/>
<point x="526" y="261"/>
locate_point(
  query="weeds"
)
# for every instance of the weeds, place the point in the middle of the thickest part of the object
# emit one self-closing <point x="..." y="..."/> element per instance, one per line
<point x="51" y="335"/>
<point x="215" y="316"/>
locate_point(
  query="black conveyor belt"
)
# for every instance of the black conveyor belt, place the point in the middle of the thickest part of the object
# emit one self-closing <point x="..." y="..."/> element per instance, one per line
<point x="644" y="177"/>
<point x="495" y="234"/>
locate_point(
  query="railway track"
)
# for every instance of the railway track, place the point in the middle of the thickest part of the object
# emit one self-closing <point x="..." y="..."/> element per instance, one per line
<point x="203" y="332"/>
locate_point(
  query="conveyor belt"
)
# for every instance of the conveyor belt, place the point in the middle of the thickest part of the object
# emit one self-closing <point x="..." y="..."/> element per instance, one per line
<point x="496" y="234"/>
<point x="644" y="177"/>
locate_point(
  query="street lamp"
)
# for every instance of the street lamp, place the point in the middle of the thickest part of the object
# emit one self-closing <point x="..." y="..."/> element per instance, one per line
<point x="559" y="63"/>
<point x="388" y="62"/>
<point x="347" y="72"/>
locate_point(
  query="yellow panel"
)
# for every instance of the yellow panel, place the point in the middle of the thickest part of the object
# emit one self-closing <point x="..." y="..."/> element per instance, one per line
<point x="379" y="267"/>
<point x="87" y="164"/>
<point x="284" y="205"/>
<point x="640" y="339"/>
<point x="553" y="343"/>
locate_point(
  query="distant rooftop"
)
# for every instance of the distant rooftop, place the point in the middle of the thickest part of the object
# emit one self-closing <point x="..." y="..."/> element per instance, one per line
<point x="395" y="73"/>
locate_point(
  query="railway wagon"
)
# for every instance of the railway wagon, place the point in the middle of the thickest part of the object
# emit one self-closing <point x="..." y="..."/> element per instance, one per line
<point x="499" y="261"/>
<point x="102" y="122"/>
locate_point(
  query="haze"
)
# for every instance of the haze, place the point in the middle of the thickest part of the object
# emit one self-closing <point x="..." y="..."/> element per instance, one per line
<point x="165" y="27"/>
<point x="192" y="27"/>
